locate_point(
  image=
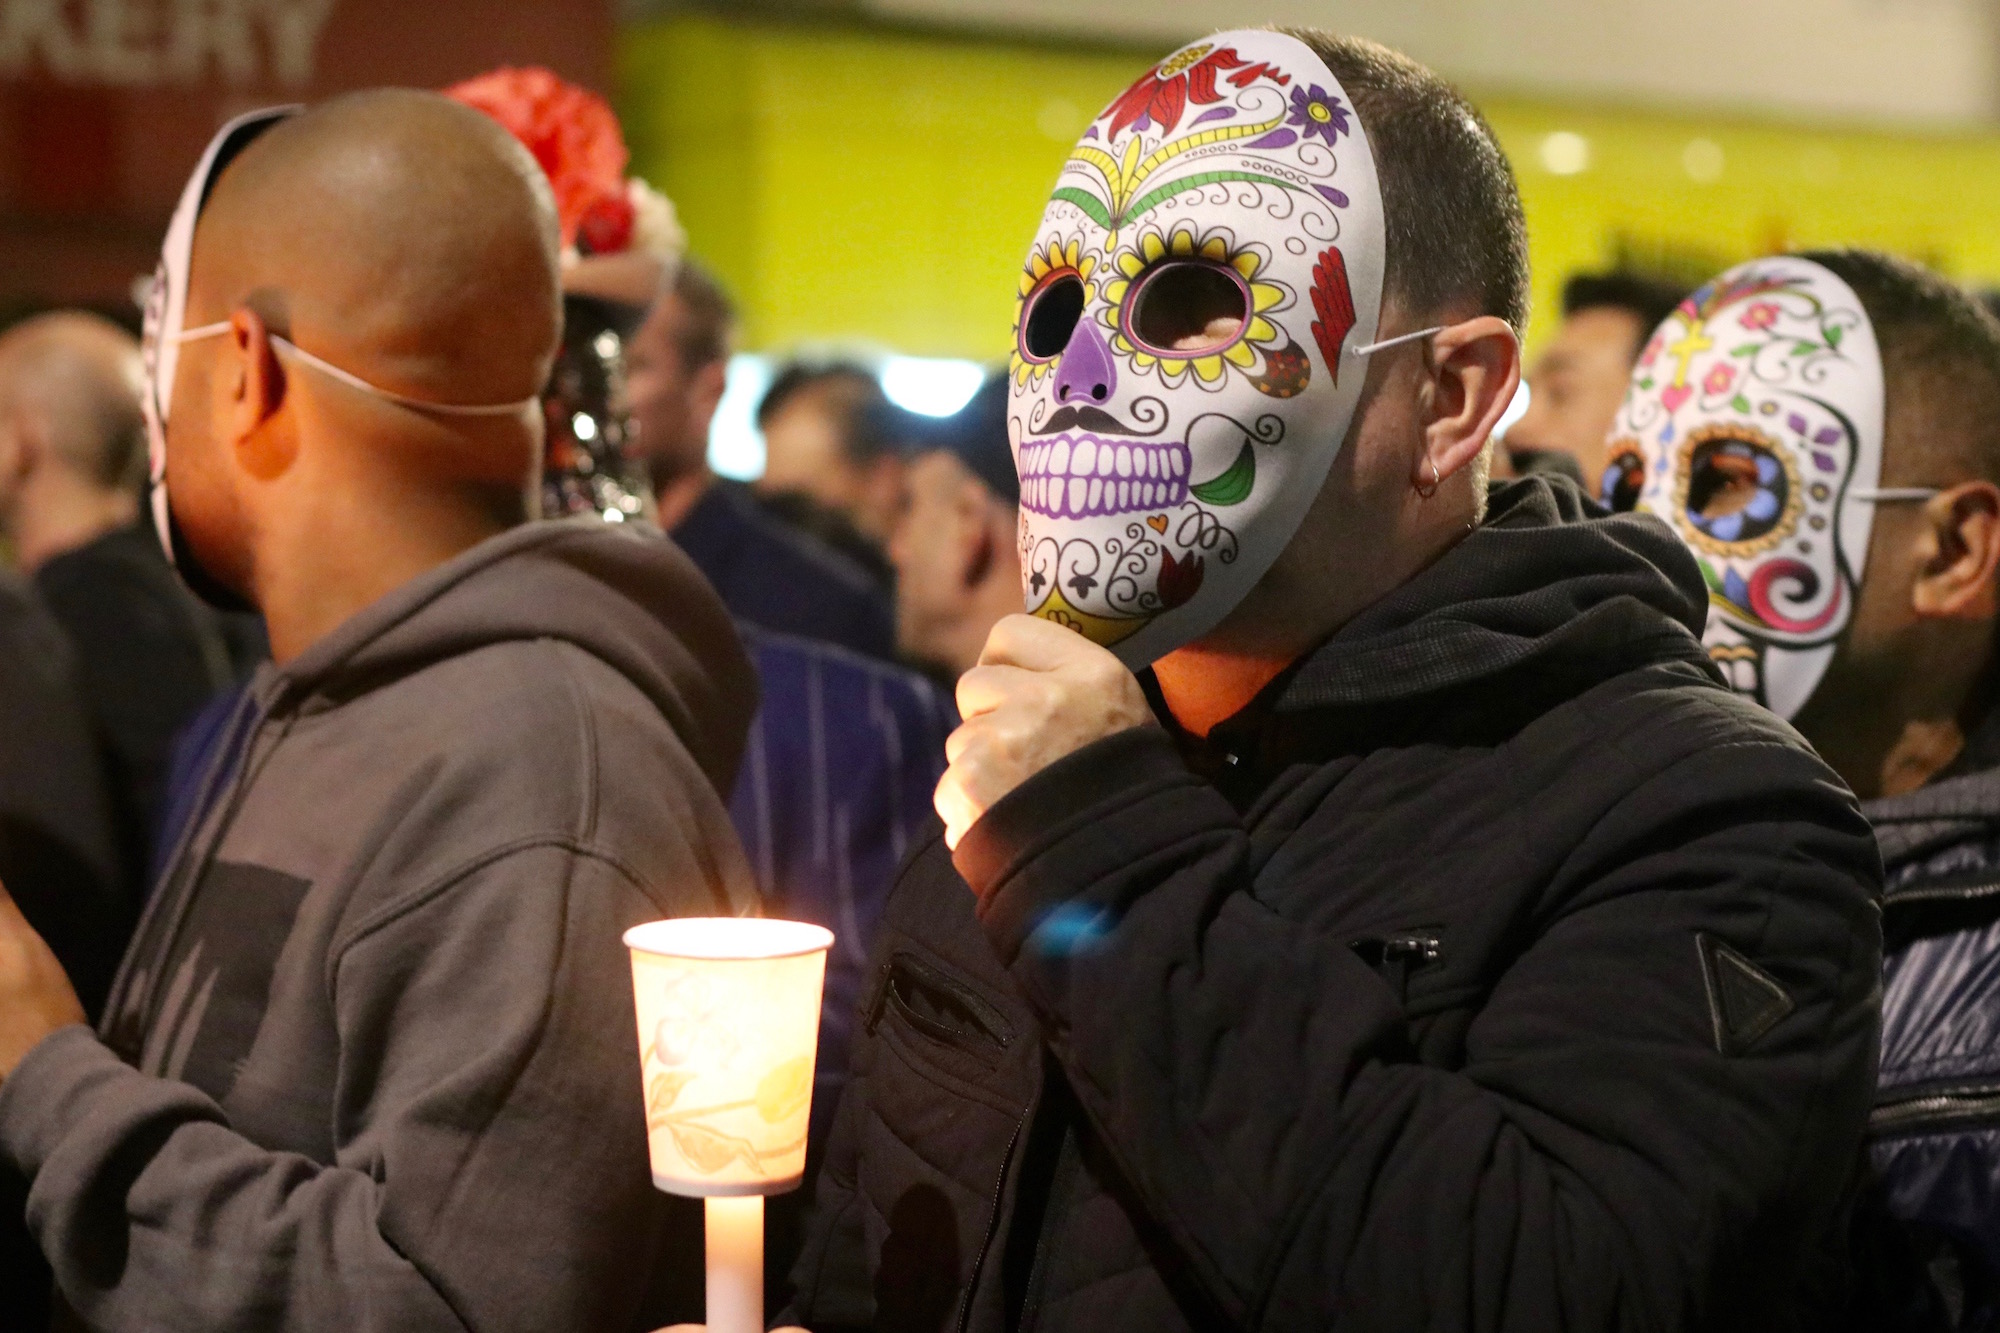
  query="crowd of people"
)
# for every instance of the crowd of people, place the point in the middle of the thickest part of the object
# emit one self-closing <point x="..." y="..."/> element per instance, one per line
<point x="1298" y="857"/>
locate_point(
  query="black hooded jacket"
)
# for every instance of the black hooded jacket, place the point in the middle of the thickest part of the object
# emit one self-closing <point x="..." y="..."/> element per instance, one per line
<point x="1496" y="968"/>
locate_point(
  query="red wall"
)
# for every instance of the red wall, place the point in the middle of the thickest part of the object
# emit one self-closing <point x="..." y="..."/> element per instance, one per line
<point x="106" y="104"/>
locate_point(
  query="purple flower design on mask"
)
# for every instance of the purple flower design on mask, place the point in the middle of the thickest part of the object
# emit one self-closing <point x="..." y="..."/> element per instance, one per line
<point x="1316" y="111"/>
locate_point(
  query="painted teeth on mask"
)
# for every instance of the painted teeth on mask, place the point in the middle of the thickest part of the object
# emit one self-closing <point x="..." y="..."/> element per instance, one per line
<point x="1083" y="476"/>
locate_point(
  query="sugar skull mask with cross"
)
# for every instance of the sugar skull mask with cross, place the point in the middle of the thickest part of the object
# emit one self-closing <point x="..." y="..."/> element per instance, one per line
<point x="1185" y="366"/>
<point x="1753" y="427"/>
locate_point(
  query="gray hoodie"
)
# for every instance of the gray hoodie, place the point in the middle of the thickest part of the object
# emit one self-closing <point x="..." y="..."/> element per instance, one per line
<point x="371" y="1062"/>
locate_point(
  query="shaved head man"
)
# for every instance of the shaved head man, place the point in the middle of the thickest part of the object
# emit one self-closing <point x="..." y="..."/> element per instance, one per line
<point x="365" y="1066"/>
<point x="293" y="486"/>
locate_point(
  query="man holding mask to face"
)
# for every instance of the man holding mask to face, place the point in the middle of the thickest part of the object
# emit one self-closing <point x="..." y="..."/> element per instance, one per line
<point x="1423" y="937"/>
<point x="369" y="1061"/>
<point x="1831" y="455"/>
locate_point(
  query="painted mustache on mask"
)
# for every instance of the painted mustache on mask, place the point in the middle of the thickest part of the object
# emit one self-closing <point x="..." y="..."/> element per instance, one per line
<point x="1082" y="416"/>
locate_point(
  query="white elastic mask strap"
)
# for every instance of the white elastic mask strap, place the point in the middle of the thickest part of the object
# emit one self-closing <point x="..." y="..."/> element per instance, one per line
<point x="1397" y="341"/>
<point x="1890" y="494"/>
<point x="353" y="380"/>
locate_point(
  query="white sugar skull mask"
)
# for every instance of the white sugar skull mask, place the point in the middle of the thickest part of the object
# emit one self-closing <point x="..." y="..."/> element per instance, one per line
<point x="1753" y="427"/>
<point x="1185" y="363"/>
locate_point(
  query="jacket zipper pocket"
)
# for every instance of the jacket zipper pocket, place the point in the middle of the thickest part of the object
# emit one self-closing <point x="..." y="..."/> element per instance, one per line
<point x="938" y="1005"/>
<point x="1935" y="1110"/>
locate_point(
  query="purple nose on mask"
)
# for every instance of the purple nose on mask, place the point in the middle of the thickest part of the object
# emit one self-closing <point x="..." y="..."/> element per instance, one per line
<point x="1087" y="374"/>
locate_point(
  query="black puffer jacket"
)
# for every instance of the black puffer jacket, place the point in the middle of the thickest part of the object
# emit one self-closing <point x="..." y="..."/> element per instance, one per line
<point x="1496" y="969"/>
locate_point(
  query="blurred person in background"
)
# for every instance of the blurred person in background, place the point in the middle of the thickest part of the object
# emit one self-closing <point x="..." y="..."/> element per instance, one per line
<point x="369" y="987"/>
<point x="1577" y="383"/>
<point x="769" y="573"/>
<point x="957" y="548"/>
<point x="1882" y="652"/>
<point x="677" y="368"/>
<point x="833" y="456"/>
<point x="60" y="859"/>
<point x="72" y="464"/>
<point x="1330" y="933"/>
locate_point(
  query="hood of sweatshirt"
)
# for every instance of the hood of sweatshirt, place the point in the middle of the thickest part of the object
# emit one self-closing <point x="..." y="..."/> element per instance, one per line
<point x="626" y="595"/>
<point x="1547" y="584"/>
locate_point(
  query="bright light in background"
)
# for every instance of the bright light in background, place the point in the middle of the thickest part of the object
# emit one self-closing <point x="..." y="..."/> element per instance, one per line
<point x="1703" y="161"/>
<point x="931" y="387"/>
<point x="735" y="445"/>
<point x="1515" y="411"/>
<point x="1565" y="154"/>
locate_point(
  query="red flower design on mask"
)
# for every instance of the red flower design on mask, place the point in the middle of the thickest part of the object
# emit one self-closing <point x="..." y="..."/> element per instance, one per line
<point x="1719" y="380"/>
<point x="1334" y="304"/>
<point x="1180" y="579"/>
<point x="573" y="133"/>
<point x="1185" y="78"/>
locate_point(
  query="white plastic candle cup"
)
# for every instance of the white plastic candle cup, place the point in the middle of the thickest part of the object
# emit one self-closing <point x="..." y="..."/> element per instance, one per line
<point x="728" y="1030"/>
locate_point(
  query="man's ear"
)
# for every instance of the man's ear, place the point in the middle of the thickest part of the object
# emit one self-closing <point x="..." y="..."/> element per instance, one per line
<point x="1475" y="368"/>
<point x="23" y="445"/>
<point x="1962" y="534"/>
<point x="705" y="389"/>
<point x="253" y="386"/>
<point x="977" y="549"/>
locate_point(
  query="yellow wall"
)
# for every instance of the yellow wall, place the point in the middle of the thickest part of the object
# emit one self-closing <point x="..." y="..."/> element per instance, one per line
<point x="865" y="186"/>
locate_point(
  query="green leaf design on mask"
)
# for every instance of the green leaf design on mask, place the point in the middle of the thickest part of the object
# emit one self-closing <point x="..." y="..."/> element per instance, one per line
<point x="1233" y="486"/>
<point x="1740" y="403"/>
<point x="1093" y="208"/>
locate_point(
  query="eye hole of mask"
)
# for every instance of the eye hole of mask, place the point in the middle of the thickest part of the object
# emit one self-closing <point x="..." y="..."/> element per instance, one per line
<point x="1737" y="489"/>
<point x="1187" y="306"/>
<point x="1053" y="310"/>
<point x="1624" y="478"/>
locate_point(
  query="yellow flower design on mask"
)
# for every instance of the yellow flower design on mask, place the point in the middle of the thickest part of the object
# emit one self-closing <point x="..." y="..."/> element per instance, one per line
<point x="1141" y="299"/>
<point x="1052" y="265"/>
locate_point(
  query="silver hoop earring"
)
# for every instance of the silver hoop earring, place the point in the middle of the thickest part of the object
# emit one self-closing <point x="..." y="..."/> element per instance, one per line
<point x="1426" y="490"/>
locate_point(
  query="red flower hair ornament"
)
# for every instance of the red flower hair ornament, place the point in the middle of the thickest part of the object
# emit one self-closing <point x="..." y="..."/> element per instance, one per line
<point x="574" y="135"/>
